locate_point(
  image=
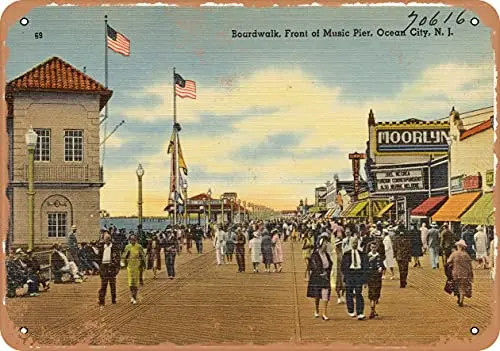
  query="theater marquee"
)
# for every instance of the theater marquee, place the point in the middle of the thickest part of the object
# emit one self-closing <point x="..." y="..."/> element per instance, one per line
<point x="400" y="180"/>
<point x="408" y="138"/>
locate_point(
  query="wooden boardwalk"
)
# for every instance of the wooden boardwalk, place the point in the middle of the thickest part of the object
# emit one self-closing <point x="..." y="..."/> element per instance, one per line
<point x="209" y="304"/>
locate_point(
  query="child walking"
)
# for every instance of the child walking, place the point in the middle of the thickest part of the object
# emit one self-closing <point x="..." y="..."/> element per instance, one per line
<point x="376" y="267"/>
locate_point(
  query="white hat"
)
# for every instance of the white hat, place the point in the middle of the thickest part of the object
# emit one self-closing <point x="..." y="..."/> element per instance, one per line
<point x="19" y="251"/>
<point x="73" y="226"/>
<point x="479" y="227"/>
<point x="434" y="224"/>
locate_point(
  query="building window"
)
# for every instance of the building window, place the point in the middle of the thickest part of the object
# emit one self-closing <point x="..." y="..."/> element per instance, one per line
<point x="57" y="224"/>
<point x="42" y="150"/>
<point x="73" y="145"/>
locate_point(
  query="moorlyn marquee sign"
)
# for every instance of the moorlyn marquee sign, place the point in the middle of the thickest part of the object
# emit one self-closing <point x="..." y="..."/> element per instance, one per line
<point x="412" y="136"/>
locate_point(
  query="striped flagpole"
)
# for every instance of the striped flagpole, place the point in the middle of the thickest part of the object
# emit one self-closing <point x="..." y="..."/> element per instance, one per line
<point x="175" y="155"/>
<point x="105" y="120"/>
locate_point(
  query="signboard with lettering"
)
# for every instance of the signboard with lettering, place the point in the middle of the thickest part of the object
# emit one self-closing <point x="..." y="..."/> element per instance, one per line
<point x="356" y="157"/>
<point x="412" y="140"/>
<point x="398" y="180"/>
<point x="456" y="183"/>
<point x="471" y="182"/>
<point x="490" y="178"/>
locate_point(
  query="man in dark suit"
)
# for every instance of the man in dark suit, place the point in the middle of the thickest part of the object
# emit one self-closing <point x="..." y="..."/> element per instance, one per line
<point x="402" y="253"/>
<point x="109" y="267"/>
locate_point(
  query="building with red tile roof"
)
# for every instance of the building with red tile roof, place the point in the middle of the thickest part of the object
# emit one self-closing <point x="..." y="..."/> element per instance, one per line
<point x="62" y="105"/>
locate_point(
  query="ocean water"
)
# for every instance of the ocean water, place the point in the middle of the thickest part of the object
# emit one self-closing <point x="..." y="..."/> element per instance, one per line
<point x="147" y="224"/>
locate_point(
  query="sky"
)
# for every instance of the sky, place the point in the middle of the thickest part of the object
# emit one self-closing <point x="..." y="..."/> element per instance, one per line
<point x="273" y="118"/>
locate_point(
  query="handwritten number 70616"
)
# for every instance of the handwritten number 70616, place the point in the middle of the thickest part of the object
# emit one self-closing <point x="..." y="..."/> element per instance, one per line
<point x="435" y="19"/>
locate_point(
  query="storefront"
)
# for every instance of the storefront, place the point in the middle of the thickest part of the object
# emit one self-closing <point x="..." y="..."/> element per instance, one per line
<point x="369" y="208"/>
<point x="472" y="177"/>
<point x="407" y="163"/>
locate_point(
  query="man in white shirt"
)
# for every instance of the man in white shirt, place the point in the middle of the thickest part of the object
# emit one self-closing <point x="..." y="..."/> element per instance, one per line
<point x="109" y="258"/>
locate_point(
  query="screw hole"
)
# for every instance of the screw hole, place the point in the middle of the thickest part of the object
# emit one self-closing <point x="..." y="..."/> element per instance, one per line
<point x="474" y="330"/>
<point x="24" y="330"/>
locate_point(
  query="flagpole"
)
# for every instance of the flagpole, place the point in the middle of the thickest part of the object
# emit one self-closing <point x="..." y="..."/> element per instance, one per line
<point x="176" y="155"/>
<point x="105" y="83"/>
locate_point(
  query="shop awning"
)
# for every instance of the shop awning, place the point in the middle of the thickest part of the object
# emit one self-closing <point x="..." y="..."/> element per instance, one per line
<point x="455" y="207"/>
<point x="348" y="209"/>
<point x="429" y="206"/>
<point x="360" y="206"/>
<point x="481" y="212"/>
<point x="336" y="213"/>
<point x="385" y="209"/>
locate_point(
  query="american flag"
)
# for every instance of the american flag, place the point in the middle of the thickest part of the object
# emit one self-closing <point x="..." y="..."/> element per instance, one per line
<point x="118" y="42"/>
<point x="184" y="88"/>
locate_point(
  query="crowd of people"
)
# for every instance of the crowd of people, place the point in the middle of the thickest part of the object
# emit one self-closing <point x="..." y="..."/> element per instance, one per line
<point x="76" y="261"/>
<point x="264" y="244"/>
<point x="339" y="256"/>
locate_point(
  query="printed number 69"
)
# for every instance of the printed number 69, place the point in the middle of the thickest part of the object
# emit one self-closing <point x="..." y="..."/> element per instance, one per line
<point x="38" y="35"/>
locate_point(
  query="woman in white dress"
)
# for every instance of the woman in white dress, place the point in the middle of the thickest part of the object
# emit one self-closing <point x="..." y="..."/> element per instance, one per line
<point x="423" y="236"/>
<point x="389" y="254"/>
<point x="255" y="251"/>
<point x="481" y="245"/>
<point x="220" y="245"/>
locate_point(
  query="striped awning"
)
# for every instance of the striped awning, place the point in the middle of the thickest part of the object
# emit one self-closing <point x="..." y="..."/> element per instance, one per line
<point x="329" y="213"/>
<point x="385" y="209"/>
<point x="336" y="213"/>
<point x="347" y="210"/>
<point x="360" y="206"/>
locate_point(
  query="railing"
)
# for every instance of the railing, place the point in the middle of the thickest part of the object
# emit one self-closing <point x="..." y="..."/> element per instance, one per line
<point x="61" y="173"/>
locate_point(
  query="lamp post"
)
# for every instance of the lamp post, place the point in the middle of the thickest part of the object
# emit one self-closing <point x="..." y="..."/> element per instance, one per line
<point x="185" y="187"/>
<point x="202" y="210"/>
<point x="222" y="209"/>
<point x="140" y="174"/>
<point x="231" y="219"/>
<point x="239" y="211"/>
<point x="209" y="193"/>
<point x="449" y="142"/>
<point x="31" y="139"/>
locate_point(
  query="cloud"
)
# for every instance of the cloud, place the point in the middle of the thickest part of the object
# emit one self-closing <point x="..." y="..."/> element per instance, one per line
<point x="274" y="135"/>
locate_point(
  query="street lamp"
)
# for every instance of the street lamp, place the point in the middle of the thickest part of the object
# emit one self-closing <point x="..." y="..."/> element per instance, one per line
<point x="31" y="139"/>
<point x="239" y="211"/>
<point x="222" y="208"/>
<point x="449" y="141"/>
<point x="209" y="193"/>
<point x="231" y="219"/>
<point x="140" y="174"/>
<point x="202" y="210"/>
<point x="185" y="187"/>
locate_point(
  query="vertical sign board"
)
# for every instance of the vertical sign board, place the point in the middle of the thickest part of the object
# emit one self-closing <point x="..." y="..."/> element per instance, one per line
<point x="356" y="157"/>
<point x="490" y="177"/>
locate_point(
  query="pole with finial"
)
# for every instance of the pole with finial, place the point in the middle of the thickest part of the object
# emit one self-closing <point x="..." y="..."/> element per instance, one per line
<point x="105" y="120"/>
